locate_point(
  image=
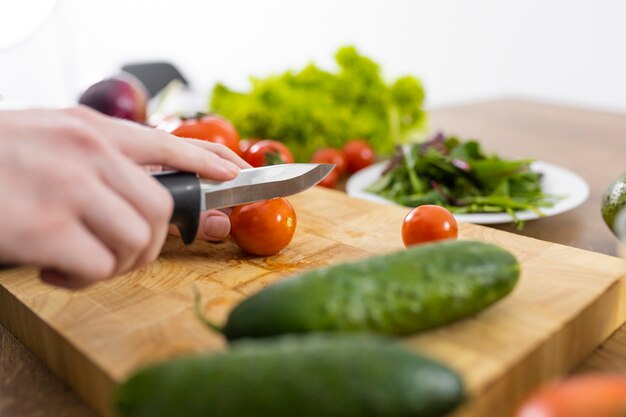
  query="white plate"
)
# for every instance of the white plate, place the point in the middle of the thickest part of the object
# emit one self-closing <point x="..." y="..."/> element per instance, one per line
<point x="556" y="180"/>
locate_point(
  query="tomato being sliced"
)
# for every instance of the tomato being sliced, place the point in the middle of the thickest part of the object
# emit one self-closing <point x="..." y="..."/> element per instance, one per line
<point x="359" y="154"/>
<point x="428" y="223"/>
<point x="209" y="127"/>
<point x="268" y="152"/>
<point x="263" y="228"/>
<point x="593" y="395"/>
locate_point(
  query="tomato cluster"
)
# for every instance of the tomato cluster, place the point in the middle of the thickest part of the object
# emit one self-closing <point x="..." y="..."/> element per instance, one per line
<point x="356" y="155"/>
<point x="266" y="227"/>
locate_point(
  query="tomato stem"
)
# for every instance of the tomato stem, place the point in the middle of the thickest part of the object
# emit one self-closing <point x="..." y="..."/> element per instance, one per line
<point x="273" y="158"/>
<point x="197" y="116"/>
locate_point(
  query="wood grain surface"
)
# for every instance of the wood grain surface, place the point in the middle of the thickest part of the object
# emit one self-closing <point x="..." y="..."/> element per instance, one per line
<point x="589" y="142"/>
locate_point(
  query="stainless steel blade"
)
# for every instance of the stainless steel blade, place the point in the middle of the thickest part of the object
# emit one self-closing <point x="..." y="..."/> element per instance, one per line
<point x="255" y="184"/>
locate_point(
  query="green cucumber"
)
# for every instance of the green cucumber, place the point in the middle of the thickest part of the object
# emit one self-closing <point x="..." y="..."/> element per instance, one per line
<point x="397" y="294"/>
<point x="308" y="376"/>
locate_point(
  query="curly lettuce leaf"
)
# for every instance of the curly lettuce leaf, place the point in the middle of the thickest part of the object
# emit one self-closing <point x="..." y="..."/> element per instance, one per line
<point x="314" y="108"/>
<point x="461" y="177"/>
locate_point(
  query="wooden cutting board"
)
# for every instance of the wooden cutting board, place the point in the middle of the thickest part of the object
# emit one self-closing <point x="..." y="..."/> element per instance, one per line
<point x="567" y="302"/>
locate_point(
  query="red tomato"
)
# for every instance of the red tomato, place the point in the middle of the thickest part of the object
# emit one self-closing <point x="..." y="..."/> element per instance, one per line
<point x="211" y="128"/>
<point x="330" y="180"/>
<point x="331" y="156"/>
<point x="427" y="224"/>
<point x="263" y="228"/>
<point x="245" y="144"/>
<point x="268" y="152"/>
<point x="592" y="395"/>
<point x="359" y="154"/>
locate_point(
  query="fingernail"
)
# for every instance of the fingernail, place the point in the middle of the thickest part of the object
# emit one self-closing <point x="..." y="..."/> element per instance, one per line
<point x="59" y="279"/>
<point x="217" y="227"/>
<point x="53" y="277"/>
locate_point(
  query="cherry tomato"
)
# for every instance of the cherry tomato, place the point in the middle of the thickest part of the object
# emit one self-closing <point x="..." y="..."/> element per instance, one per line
<point x="331" y="156"/>
<point x="427" y="224"/>
<point x="330" y="180"/>
<point x="359" y="154"/>
<point x="267" y="152"/>
<point x="263" y="228"/>
<point x="592" y="395"/>
<point x="245" y="144"/>
<point x="209" y="127"/>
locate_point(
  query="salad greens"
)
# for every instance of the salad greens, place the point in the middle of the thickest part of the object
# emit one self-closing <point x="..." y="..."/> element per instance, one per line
<point x="461" y="177"/>
<point x="314" y="108"/>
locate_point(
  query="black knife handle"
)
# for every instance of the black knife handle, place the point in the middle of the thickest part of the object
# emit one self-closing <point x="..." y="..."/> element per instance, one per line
<point x="185" y="189"/>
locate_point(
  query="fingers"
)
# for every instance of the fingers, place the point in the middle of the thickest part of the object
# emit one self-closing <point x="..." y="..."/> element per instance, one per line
<point x="74" y="250"/>
<point x="117" y="214"/>
<point x="148" y="146"/>
<point x="160" y="226"/>
<point x="214" y="226"/>
<point x="151" y="204"/>
<point x="222" y="151"/>
<point x="118" y="225"/>
<point x="183" y="156"/>
<point x="60" y="279"/>
<point x="153" y="168"/>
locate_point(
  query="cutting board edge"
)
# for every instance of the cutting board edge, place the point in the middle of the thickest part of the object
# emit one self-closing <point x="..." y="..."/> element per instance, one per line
<point x="560" y="254"/>
<point x="68" y="363"/>
<point x="522" y="379"/>
<point x="58" y="361"/>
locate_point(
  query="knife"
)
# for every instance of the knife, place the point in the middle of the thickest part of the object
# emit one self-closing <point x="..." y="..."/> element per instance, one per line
<point x="193" y="195"/>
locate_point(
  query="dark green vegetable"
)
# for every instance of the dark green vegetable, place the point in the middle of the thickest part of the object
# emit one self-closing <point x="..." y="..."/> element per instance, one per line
<point x="309" y="376"/>
<point x="462" y="178"/>
<point x="314" y="108"/>
<point x="613" y="201"/>
<point x="402" y="293"/>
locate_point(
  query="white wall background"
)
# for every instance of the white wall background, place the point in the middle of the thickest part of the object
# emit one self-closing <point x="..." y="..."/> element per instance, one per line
<point x="571" y="51"/>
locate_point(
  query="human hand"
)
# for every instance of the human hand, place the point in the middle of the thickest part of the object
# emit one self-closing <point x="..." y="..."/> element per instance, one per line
<point x="75" y="200"/>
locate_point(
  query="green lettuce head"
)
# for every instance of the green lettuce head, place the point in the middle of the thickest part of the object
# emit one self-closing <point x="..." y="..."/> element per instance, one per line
<point x="315" y="108"/>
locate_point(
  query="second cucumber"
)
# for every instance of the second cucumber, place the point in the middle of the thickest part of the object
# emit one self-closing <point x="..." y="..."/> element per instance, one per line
<point x="319" y="375"/>
<point x="397" y="294"/>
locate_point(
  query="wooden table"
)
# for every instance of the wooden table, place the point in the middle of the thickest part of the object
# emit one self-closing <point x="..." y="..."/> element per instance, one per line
<point x="591" y="143"/>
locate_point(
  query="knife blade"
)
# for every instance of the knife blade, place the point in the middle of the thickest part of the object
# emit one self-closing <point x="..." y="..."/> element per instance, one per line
<point x="193" y="195"/>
